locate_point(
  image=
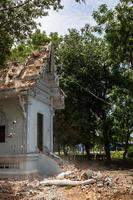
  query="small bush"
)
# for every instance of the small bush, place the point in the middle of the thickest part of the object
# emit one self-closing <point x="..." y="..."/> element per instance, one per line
<point x="130" y="152"/>
<point x="117" y="155"/>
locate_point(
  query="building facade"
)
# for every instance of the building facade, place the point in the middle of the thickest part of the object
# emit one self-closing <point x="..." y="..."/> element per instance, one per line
<point x="29" y="95"/>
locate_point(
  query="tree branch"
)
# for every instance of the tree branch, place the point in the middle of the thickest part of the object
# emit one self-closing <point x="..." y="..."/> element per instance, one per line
<point x="92" y="93"/>
<point x="14" y="7"/>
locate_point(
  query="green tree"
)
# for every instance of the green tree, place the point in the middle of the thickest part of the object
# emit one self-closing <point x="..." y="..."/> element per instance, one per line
<point x="117" y="27"/>
<point x="84" y="79"/>
<point x="92" y="67"/>
<point x="18" y="20"/>
<point x="122" y="113"/>
<point x="33" y="42"/>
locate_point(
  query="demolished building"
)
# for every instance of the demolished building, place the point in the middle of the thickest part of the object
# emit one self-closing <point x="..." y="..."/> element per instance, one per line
<point x="29" y="95"/>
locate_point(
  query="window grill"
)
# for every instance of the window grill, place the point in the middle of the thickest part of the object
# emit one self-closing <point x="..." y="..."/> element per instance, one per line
<point x="9" y="166"/>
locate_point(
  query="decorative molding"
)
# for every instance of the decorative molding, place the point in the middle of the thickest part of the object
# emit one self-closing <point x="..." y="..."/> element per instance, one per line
<point x="23" y="102"/>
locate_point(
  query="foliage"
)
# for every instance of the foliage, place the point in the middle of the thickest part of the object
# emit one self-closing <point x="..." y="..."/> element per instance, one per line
<point x="122" y="113"/>
<point x="35" y="40"/>
<point x="21" y="51"/>
<point x="130" y="152"/>
<point x="97" y="78"/>
<point x="117" y="25"/>
<point x="117" y="155"/>
<point x="82" y="76"/>
<point x="18" y="20"/>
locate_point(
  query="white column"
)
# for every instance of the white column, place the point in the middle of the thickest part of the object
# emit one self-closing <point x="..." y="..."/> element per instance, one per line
<point x="51" y="129"/>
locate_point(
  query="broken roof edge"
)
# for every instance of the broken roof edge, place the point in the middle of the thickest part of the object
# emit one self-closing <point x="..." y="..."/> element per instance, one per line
<point x="20" y="76"/>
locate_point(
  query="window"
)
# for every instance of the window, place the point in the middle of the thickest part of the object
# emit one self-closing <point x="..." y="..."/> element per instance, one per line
<point x="40" y="131"/>
<point x="2" y="134"/>
<point x="3" y="126"/>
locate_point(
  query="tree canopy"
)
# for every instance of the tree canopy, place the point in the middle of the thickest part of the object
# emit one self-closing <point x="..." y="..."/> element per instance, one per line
<point x="117" y="25"/>
<point x="18" y="20"/>
<point x="94" y="71"/>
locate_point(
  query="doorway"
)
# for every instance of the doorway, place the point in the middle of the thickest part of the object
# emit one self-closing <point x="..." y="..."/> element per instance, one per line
<point x="40" y="131"/>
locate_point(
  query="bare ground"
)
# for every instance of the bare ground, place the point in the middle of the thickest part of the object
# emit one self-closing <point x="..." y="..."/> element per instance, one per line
<point x="121" y="187"/>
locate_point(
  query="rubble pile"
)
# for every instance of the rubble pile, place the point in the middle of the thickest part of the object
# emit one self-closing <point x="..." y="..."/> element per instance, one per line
<point x="107" y="185"/>
<point x="80" y="177"/>
<point x="6" y="189"/>
<point x="75" y="174"/>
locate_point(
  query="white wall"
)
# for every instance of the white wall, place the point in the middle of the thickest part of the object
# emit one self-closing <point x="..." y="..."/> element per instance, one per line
<point x="35" y="107"/>
<point x="12" y="110"/>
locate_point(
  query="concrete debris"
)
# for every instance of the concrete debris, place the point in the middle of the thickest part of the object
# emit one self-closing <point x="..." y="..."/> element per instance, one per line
<point x="84" y="176"/>
<point x="87" y="174"/>
<point x="108" y="181"/>
<point x="99" y="175"/>
<point x="103" y="185"/>
<point x="74" y="178"/>
<point x="66" y="182"/>
<point x="100" y="184"/>
<point x="63" y="175"/>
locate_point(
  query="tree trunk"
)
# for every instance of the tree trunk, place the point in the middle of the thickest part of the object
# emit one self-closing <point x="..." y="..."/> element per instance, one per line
<point x="87" y="149"/>
<point x="131" y="59"/>
<point x="105" y="128"/>
<point x="106" y="137"/>
<point x="106" y="145"/>
<point x="126" y="145"/>
<point x="65" y="150"/>
<point x="59" y="149"/>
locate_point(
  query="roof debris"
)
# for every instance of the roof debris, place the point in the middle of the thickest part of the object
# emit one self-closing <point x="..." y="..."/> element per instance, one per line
<point x="24" y="76"/>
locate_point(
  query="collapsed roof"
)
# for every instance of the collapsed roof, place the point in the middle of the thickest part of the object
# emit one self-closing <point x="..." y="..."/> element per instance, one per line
<point x="23" y="77"/>
<point x="17" y="78"/>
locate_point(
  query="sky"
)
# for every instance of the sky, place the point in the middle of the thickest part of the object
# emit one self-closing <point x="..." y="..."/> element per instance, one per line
<point x="73" y="15"/>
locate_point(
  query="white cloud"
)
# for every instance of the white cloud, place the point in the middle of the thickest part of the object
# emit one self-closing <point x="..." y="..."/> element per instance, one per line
<point x="73" y="15"/>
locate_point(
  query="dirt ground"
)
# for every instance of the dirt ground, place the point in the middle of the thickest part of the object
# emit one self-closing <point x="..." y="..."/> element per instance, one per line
<point x="29" y="188"/>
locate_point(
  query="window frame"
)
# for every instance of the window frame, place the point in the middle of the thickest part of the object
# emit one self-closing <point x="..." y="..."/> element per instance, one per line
<point x="3" y="123"/>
